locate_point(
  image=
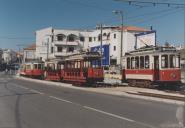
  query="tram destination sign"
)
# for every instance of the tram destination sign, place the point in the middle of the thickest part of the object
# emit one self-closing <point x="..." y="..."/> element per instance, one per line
<point x="145" y="39"/>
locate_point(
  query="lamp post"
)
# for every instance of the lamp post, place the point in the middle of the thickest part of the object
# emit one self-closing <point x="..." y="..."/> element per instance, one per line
<point x="119" y="12"/>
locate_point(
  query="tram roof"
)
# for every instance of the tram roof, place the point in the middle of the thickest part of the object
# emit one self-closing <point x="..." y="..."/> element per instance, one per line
<point x="35" y="61"/>
<point x="152" y="50"/>
<point x="84" y="55"/>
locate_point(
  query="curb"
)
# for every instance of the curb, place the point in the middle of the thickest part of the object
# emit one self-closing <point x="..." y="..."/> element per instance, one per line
<point x="114" y="93"/>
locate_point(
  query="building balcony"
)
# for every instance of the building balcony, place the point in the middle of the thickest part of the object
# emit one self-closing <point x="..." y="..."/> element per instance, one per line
<point x="59" y="43"/>
<point x="63" y="53"/>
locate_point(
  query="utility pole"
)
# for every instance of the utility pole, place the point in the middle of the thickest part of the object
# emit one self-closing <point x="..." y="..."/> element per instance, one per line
<point x="47" y="48"/>
<point x="119" y="12"/>
<point x="101" y="42"/>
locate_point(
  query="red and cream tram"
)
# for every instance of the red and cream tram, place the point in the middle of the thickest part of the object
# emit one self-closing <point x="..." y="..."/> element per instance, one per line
<point x="53" y="70"/>
<point x="82" y="68"/>
<point x="32" y="69"/>
<point x="149" y="65"/>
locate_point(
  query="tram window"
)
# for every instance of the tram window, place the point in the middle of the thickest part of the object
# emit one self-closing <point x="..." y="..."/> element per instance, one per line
<point x="35" y="66"/>
<point x="178" y="61"/>
<point x="28" y="67"/>
<point x="128" y="63"/>
<point x="132" y="63"/>
<point x="39" y="66"/>
<point x="172" y="61"/>
<point x="61" y="66"/>
<point x="141" y="62"/>
<point x="147" y="62"/>
<point x="136" y="62"/>
<point x="78" y="64"/>
<point x="164" y="61"/>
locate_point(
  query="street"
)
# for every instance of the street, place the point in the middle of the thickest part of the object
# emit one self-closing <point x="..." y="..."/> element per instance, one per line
<point x="25" y="104"/>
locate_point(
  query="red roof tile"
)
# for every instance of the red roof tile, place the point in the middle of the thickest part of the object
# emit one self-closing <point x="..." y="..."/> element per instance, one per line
<point x="31" y="47"/>
<point x="133" y="28"/>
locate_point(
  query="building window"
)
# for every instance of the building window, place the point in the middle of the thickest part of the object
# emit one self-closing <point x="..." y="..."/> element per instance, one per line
<point x="60" y="37"/>
<point x="71" y="49"/>
<point x="59" y="49"/>
<point x="90" y="39"/>
<point x="82" y="39"/>
<point x="94" y="38"/>
<point x="114" y="48"/>
<point x="99" y="37"/>
<point x="114" y="36"/>
<point x="52" y="49"/>
<point x="71" y="38"/>
<point x="108" y="36"/>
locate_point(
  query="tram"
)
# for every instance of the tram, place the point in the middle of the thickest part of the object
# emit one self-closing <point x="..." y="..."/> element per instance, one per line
<point x="149" y="65"/>
<point x="81" y="68"/>
<point x="54" y="70"/>
<point x="32" y="69"/>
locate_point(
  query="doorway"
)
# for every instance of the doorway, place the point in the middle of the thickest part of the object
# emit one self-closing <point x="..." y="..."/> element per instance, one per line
<point x="156" y="67"/>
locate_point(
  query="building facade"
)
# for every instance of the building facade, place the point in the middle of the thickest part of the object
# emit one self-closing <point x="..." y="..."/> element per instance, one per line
<point x="1" y="53"/>
<point x="29" y="53"/>
<point x="9" y="56"/>
<point x="111" y="39"/>
<point x="59" y="43"/>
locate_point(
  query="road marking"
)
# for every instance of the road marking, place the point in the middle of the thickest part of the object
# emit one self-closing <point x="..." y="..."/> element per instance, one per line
<point x="35" y="91"/>
<point x="102" y="112"/>
<point x="107" y="113"/>
<point x="32" y="90"/>
<point x="180" y="116"/>
<point x="22" y="87"/>
<point x="61" y="99"/>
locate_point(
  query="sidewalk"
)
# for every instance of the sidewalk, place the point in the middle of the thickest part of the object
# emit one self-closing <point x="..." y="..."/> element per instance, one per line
<point x="131" y="92"/>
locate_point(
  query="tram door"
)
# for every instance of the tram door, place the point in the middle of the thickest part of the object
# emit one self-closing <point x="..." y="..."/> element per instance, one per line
<point x="156" y="67"/>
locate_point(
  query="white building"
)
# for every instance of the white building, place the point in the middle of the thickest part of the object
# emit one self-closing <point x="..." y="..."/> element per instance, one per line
<point x="29" y="53"/>
<point x="9" y="56"/>
<point x="58" y="43"/>
<point x="1" y="53"/>
<point x="112" y="37"/>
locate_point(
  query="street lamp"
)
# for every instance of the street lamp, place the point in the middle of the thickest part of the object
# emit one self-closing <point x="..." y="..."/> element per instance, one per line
<point x="120" y="13"/>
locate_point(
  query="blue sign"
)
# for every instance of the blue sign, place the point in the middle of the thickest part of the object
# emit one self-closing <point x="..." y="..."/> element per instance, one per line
<point x="105" y="52"/>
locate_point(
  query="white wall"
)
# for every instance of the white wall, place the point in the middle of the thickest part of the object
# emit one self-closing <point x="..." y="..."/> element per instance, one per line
<point x="128" y="42"/>
<point x="29" y="55"/>
<point x="43" y="36"/>
<point x="9" y="56"/>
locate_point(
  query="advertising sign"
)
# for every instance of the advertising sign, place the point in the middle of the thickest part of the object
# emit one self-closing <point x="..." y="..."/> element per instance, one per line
<point x="105" y="52"/>
<point x="145" y="39"/>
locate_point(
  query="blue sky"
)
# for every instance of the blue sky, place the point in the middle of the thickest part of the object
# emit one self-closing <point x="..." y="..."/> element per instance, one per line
<point x="19" y="19"/>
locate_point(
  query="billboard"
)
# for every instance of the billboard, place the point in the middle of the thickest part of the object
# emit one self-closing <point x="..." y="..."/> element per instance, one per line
<point x="105" y="52"/>
<point x="145" y="38"/>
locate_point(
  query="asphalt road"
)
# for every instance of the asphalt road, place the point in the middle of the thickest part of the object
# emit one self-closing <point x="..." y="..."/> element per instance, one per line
<point x="25" y="104"/>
